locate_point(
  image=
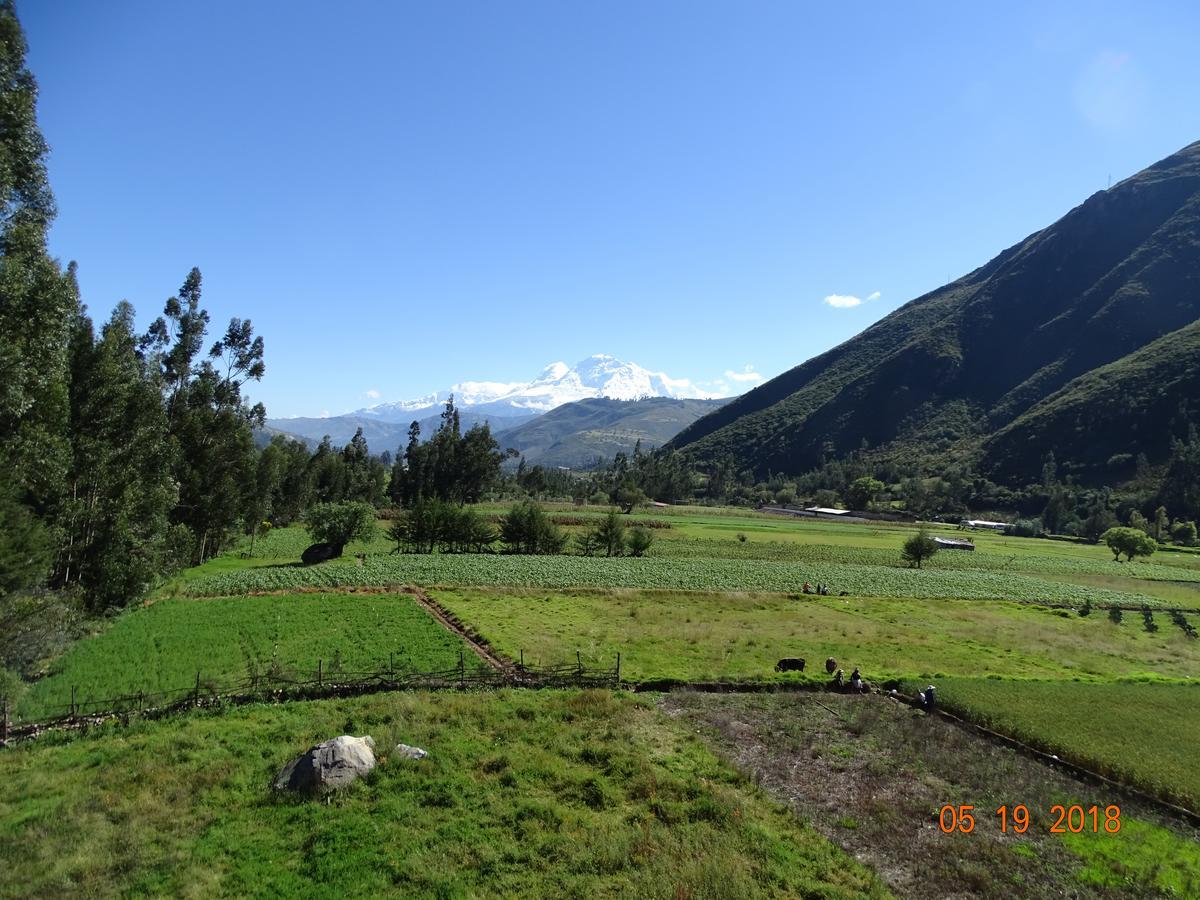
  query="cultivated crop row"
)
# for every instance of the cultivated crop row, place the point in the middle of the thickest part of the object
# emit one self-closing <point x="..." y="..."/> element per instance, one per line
<point x="984" y="560"/>
<point x="672" y="574"/>
<point x="1143" y="733"/>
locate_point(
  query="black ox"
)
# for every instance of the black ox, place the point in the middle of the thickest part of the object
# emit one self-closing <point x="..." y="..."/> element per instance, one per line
<point x="791" y="664"/>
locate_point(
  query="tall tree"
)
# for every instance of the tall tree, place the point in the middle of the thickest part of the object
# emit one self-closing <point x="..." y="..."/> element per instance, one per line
<point x="210" y="424"/>
<point x="119" y="486"/>
<point x="38" y="301"/>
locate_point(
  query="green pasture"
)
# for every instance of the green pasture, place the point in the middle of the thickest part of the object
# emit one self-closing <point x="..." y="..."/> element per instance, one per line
<point x="1144" y="734"/>
<point x="163" y="646"/>
<point x="704" y="636"/>
<point x="524" y="794"/>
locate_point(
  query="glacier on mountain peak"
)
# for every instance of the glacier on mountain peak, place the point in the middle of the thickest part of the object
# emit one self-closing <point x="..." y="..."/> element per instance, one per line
<point x="599" y="375"/>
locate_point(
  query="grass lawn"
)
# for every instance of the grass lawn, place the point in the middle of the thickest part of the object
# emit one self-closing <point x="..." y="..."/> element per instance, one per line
<point x="1145" y="734"/>
<point x="697" y="636"/>
<point x="524" y="794"/>
<point x="161" y="647"/>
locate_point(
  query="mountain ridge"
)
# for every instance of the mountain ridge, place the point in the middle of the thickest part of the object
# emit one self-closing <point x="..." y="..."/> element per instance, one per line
<point x="1119" y="271"/>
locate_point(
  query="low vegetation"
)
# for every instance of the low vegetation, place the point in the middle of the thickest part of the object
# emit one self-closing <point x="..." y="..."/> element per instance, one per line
<point x="665" y="573"/>
<point x="542" y="793"/>
<point x="701" y="636"/>
<point x="1144" y="734"/>
<point x="165" y="646"/>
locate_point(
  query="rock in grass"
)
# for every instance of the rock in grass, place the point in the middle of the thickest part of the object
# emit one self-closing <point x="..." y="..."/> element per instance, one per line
<point x="328" y="766"/>
<point x="403" y="751"/>
<point x="318" y="553"/>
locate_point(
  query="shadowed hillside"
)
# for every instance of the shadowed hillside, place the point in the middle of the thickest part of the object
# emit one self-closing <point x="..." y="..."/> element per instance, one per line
<point x="953" y="367"/>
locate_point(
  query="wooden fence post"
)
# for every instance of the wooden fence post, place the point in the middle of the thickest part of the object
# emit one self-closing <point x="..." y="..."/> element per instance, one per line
<point x="392" y="666"/>
<point x="197" y="694"/>
<point x="319" y="673"/>
<point x="618" y="667"/>
<point x="522" y="659"/>
<point x="462" y="668"/>
<point x="579" y="662"/>
<point x="3" y="720"/>
<point x="72" y="701"/>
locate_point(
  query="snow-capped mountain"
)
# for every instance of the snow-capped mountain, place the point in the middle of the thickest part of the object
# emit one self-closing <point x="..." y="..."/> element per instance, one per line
<point x="596" y="376"/>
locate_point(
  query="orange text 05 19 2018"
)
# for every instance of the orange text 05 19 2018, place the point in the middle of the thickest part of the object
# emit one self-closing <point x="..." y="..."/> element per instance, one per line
<point x="1018" y="819"/>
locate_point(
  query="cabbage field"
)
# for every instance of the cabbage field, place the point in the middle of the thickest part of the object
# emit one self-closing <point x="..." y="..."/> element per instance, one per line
<point x="665" y="573"/>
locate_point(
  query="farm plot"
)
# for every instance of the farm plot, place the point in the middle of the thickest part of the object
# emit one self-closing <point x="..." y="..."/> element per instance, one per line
<point x="1145" y="734"/>
<point x="703" y="636"/>
<point x="524" y="794"/>
<point x="872" y="775"/>
<point x="162" y="647"/>
<point x="1093" y="566"/>
<point x="668" y="574"/>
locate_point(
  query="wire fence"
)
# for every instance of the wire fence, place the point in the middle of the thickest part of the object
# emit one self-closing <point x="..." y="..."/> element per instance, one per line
<point x="317" y="683"/>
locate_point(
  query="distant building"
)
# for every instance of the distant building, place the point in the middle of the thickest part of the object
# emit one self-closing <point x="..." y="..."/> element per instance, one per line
<point x="984" y="523"/>
<point x="826" y="511"/>
<point x="946" y="543"/>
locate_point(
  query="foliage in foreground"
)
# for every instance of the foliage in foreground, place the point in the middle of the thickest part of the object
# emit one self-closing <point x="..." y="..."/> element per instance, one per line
<point x="524" y="794"/>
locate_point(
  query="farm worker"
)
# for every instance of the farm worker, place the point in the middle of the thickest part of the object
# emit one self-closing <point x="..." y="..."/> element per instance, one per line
<point x="839" y="680"/>
<point x="807" y="588"/>
<point x="856" y="680"/>
<point x="929" y="698"/>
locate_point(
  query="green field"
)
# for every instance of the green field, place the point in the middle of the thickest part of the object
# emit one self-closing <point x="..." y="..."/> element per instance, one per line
<point x="705" y="636"/>
<point x="668" y="574"/>
<point x="1144" y="734"/>
<point x="163" y="646"/>
<point x="524" y="794"/>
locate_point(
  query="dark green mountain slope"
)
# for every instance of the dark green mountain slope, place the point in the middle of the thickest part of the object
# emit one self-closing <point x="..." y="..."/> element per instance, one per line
<point x="578" y="434"/>
<point x="962" y="362"/>
<point x="1110" y="414"/>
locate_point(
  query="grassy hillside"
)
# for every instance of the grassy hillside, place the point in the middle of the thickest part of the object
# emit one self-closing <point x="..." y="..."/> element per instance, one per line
<point x="578" y="434"/>
<point x="950" y="368"/>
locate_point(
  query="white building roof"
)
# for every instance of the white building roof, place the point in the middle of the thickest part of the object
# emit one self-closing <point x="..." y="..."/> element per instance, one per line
<point x="827" y="511"/>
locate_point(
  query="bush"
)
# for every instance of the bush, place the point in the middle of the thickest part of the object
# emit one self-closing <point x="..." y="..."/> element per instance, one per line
<point x="434" y="524"/>
<point x="611" y="534"/>
<point x="1184" y="533"/>
<point x="918" y="548"/>
<point x="639" y="541"/>
<point x="1025" y="528"/>
<point x="527" y="529"/>
<point x="340" y="523"/>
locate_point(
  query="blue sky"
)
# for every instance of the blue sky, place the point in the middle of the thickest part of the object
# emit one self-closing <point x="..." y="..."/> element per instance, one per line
<point x="402" y="195"/>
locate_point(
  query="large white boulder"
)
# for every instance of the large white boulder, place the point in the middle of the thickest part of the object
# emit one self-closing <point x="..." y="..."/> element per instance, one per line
<point x="328" y="766"/>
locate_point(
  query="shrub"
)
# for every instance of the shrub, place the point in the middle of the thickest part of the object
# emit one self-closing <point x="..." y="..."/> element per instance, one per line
<point x="611" y="534"/>
<point x="639" y="541"/>
<point x="340" y="523"/>
<point x="527" y="529"/>
<point x="1184" y="533"/>
<point x="918" y="548"/>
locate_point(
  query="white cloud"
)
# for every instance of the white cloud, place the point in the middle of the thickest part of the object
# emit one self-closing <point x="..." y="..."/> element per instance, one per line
<point x="849" y="301"/>
<point x="324" y="414"/>
<point x="746" y="375"/>
<point x="843" y="301"/>
<point x="372" y="394"/>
